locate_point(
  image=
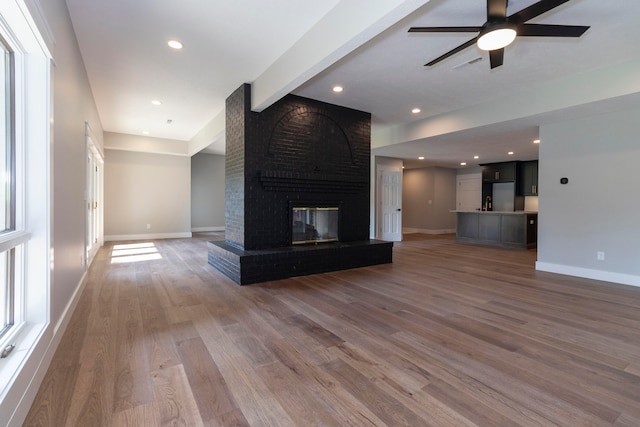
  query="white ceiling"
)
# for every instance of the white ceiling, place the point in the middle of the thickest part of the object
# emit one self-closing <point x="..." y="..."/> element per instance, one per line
<point x="123" y="44"/>
<point x="226" y="43"/>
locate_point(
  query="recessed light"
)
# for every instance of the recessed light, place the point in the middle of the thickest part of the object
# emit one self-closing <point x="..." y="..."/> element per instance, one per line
<point x="536" y="141"/>
<point x="156" y="102"/>
<point x="174" y="44"/>
<point x="337" y="89"/>
<point x="145" y="132"/>
<point x="463" y="163"/>
<point x="421" y="158"/>
<point x="476" y="157"/>
<point x="416" y="110"/>
<point x="510" y="153"/>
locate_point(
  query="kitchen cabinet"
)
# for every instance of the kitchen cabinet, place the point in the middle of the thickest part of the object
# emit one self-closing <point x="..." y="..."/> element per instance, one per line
<point x="505" y="229"/>
<point x="499" y="172"/>
<point x="527" y="178"/>
<point x="467" y="225"/>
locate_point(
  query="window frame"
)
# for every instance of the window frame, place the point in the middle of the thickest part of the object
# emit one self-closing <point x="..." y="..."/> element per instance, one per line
<point x="32" y="332"/>
<point x="9" y="239"/>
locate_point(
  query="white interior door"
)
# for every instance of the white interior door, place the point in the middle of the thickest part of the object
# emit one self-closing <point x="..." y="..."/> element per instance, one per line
<point x="469" y="192"/>
<point x="93" y="200"/>
<point x="391" y="205"/>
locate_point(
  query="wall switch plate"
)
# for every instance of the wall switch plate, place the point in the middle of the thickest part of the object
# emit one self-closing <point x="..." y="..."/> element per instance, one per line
<point x="600" y="255"/>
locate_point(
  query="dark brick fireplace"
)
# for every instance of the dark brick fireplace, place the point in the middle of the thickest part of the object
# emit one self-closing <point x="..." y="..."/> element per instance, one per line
<point x="298" y="152"/>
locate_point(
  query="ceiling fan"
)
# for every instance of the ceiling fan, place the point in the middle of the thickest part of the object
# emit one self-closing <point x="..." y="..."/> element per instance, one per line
<point x="500" y="30"/>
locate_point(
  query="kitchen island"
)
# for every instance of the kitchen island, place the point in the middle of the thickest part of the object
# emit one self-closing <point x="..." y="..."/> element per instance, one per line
<point x="517" y="229"/>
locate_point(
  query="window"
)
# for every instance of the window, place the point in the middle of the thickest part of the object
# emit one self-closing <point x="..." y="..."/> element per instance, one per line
<point x="25" y="207"/>
<point x="7" y="190"/>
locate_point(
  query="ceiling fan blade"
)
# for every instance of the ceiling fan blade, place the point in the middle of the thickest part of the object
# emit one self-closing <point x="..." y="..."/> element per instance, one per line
<point x="542" y="30"/>
<point x="452" y="52"/>
<point x="496" y="57"/>
<point x="534" y="10"/>
<point x="496" y="9"/>
<point x="444" y="29"/>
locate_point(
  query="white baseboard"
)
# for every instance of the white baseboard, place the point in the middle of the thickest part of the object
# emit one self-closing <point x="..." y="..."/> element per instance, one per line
<point x="35" y="367"/>
<point x="407" y="230"/>
<point x="119" y="237"/>
<point x="205" y="229"/>
<point x="588" y="273"/>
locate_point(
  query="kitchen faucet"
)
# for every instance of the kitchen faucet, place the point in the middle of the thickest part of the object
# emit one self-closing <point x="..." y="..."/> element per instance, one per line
<point x="487" y="203"/>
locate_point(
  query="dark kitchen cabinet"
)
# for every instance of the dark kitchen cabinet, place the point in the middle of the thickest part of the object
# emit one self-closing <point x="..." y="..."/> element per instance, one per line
<point x="499" y="172"/>
<point x="506" y="229"/>
<point x="527" y="178"/>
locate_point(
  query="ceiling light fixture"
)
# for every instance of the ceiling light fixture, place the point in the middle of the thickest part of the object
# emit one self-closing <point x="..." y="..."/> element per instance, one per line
<point x="416" y="110"/>
<point x="156" y="102"/>
<point x="145" y="132"/>
<point x="337" y="89"/>
<point x="536" y="141"/>
<point x="174" y="44"/>
<point x="463" y="163"/>
<point x="476" y="157"/>
<point x="510" y="153"/>
<point x="421" y="158"/>
<point x="496" y="36"/>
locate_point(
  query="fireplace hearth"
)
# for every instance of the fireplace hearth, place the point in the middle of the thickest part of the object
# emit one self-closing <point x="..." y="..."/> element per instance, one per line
<point x="297" y="195"/>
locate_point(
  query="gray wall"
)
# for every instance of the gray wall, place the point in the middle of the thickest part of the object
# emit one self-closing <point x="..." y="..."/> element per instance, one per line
<point x="598" y="209"/>
<point x="72" y="105"/>
<point x="419" y="186"/>
<point x="144" y="188"/>
<point x="207" y="192"/>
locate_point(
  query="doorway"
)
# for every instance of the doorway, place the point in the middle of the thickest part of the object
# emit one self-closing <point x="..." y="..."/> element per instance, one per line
<point x="389" y="199"/>
<point x="94" y="172"/>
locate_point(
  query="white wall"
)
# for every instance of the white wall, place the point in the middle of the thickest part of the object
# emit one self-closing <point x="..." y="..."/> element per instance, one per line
<point x="598" y="209"/>
<point x="143" y="188"/>
<point x="428" y="196"/>
<point x="207" y="192"/>
<point x="144" y="144"/>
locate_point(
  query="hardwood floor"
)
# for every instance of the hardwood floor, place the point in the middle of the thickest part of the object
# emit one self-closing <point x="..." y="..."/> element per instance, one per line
<point x="447" y="335"/>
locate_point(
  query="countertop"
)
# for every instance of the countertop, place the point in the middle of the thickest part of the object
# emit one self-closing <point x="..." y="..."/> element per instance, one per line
<point x="496" y="212"/>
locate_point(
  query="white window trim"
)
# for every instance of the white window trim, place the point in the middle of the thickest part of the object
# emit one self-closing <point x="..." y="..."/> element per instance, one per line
<point x="32" y="333"/>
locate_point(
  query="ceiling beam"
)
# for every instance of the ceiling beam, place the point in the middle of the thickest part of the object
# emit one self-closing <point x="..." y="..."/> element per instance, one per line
<point x="350" y="24"/>
<point x="567" y="98"/>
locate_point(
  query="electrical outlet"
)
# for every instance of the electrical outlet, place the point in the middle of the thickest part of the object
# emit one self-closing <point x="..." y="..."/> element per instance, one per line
<point x="148" y="226"/>
<point x="600" y="255"/>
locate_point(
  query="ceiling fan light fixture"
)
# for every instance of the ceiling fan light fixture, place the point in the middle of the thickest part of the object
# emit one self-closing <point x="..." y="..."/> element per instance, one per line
<point x="496" y="36"/>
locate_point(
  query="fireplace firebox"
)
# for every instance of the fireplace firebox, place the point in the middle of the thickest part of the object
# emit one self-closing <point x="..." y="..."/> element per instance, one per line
<point x="314" y="224"/>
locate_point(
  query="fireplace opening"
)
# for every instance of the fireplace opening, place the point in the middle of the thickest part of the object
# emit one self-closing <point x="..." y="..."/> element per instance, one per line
<point x="314" y="224"/>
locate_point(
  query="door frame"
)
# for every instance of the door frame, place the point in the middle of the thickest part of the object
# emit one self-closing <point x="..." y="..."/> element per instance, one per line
<point x="386" y="164"/>
<point x="93" y="197"/>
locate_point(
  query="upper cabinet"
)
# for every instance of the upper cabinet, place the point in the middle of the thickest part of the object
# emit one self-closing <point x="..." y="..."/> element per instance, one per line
<point x="499" y="172"/>
<point x="527" y="183"/>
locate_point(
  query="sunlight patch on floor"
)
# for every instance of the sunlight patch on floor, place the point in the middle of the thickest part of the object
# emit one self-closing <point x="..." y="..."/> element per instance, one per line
<point x="134" y="252"/>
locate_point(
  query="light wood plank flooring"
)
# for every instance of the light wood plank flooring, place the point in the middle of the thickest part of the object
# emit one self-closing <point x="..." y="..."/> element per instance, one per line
<point x="447" y="335"/>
